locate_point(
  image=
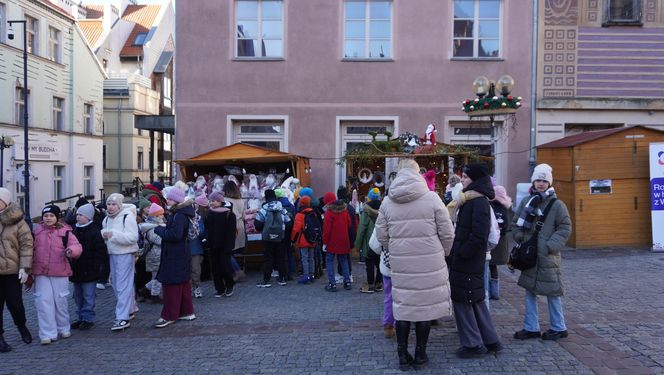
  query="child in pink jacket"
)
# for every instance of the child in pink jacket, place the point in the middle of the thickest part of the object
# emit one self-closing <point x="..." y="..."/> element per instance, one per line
<point x="54" y="246"/>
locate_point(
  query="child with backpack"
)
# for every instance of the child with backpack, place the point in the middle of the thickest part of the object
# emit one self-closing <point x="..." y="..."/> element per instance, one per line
<point x="337" y="227"/>
<point x="306" y="235"/>
<point x="152" y="249"/>
<point x="271" y="220"/>
<point x="372" y="260"/>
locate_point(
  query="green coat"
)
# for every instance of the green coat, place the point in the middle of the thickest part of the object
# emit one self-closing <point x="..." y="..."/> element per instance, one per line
<point x="365" y="229"/>
<point x="545" y="279"/>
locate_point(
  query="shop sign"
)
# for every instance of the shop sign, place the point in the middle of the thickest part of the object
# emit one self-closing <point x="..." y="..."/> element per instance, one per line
<point x="600" y="186"/>
<point x="657" y="195"/>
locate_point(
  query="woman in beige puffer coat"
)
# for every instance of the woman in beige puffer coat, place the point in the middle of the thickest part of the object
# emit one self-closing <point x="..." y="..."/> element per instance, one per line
<point x="416" y="226"/>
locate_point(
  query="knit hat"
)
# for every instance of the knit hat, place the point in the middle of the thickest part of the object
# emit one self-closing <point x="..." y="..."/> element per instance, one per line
<point x="305" y="202"/>
<point x="502" y="197"/>
<point x="543" y="172"/>
<point x="270" y="195"/>
<point x="142" y="203"/>
<point x="158" y="185"/>
<point x="329" y="197"/>
<point x="373" y="195"/>
<point x="5" y="196"/>
<point x="476" y="171"/>
<point x="280" y="193"/>
<point x="202" y="200"/>
<point x="116" y="198"/>
<point x="155" y="210"/>
<point x="216" y="196"/>
<point x="55" y="210"/>
<point x="176" y="195"/>
<point x="306" y="192"/>
<point x="86" y="210"/>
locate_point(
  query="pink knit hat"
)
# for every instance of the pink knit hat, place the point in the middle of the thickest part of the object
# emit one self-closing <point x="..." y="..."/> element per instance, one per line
<point x="202" y="200"/>
<point x="155" y="210"/>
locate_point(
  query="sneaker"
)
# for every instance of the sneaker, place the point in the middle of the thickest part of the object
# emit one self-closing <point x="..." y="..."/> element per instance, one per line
<point x="198" y="293"/>
<point x="46" y="341"/>
<point x="275" y="273"/>
<point x="100" y="286"/>
<point x="230" y="291"/>
<point x="351" y="278"/>
<point x="366" y="289"/>
<point x="338" y="279"/>
<point x="76" y="324"/>
<point x="264" y="284"/>
<point x="189" y="317"/>
<point x="86" y="326"/>
<point x="347" y="286"/>
<point x="120" y="325"/>
<point x="303" y="279"/>
<point x="161" y="323"/>
<point x="378" y="287"/>
<point x="65" y="335"/>
<point x="524" y="335"/>
<point x="554" y="335"/>
<point x="494" y="348"/>
<point x="219" y="294"/>
<point x="465" y="352"/>
<point x="331" y="287"/>
<point x="282" y="282"/>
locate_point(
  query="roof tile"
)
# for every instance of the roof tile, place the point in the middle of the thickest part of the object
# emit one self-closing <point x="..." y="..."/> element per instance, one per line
<point x="143" y="16"/>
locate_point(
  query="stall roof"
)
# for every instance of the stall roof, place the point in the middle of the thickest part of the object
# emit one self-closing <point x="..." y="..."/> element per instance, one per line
<point x="577" y="139"/>
<point x="239" y="153"/>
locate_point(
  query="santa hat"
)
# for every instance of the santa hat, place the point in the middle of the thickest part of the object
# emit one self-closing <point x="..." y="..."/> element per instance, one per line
<point x="434" y="130"/>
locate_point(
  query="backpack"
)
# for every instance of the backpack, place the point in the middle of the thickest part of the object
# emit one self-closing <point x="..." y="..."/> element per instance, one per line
<point x="273" y="229"/>
<point x="194" y="231"/>
<point x="312" y="229"/>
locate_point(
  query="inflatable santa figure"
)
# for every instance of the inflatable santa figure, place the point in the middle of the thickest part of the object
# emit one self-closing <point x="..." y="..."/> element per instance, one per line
<point x="430" y="135"/>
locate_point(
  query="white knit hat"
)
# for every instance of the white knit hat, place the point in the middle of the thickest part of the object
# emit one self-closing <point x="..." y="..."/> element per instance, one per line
<point x="542" y="172"/>
<point x="5" y="196"/>
<point x="116" y="198"/>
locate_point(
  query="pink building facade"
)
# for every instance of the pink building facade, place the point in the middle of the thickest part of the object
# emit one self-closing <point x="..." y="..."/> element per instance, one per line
<point x="312" y="77"/>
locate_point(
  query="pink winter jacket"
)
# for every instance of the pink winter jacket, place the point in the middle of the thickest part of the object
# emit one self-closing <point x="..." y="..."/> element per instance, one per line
<point x="49" y="256"/>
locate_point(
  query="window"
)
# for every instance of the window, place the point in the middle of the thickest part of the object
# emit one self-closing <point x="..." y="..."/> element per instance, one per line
<point x="58" y="120"/>
<point x="263" y="133"/>
<point x="140" y="39"/>
<point x="367" y="29"/>
<point x="260" y="28"/>
<point x="476" y="135"/>
<point x="32" y="28"/>
<point x="88" y="119"/>
<point x="355" y="132"/>
<point x="168" y="90"/>
<point x="139" y="159"/>
<point x="88" y="179"/>
<point x="19" y="106"/>
<point x="623" y="11"/>
<point x="58" y="184"/>
<point x="3" y="22"/>
<point x="54" y="45"/>
<point x="19" y="189"/>
<point x="477" y="28"/>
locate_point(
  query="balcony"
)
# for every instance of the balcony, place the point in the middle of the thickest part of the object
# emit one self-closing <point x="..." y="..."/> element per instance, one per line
<point x="118" y="83"/>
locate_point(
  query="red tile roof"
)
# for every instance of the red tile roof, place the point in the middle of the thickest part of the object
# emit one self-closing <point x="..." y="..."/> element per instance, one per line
<point x="143" y="16"/>
<point x="95" y="11"/>
<point x="92" y="29"/>
<point x="585" y="137"/>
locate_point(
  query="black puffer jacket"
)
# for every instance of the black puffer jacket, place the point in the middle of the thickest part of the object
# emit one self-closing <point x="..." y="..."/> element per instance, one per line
<point x="175" y="263"/>
<point x="91" y="265"/>
<point x="470" y="244"/>
<point x="221" y="229"/>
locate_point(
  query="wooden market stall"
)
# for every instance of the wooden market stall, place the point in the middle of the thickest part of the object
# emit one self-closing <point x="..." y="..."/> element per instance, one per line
<point x="603" y="178"/>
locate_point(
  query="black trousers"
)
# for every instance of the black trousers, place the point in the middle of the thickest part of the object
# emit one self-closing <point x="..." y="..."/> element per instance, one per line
<point x="222" y="271"/>
<point x="274" y="253"/>
<point x="11" y="293"/>
<point x="372" y="264"/>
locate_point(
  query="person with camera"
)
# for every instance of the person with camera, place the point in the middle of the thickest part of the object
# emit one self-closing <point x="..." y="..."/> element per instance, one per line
<point x="544" y="278"/>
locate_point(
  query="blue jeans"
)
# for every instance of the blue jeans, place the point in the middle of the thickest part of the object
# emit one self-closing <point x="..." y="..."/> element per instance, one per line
<point x="84" y="296"/>
<point x="307" y="256"/>
<point x="486" y="283"/>
<point x="234" y="264"/>
<point x="556" y="318"/>
<point x="329" y="266"/>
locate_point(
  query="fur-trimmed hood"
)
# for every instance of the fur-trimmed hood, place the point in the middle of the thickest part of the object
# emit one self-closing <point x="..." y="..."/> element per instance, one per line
<point x="186" y="208"/>
<point x="337" y="206"/>
<point x="11" y="215"/>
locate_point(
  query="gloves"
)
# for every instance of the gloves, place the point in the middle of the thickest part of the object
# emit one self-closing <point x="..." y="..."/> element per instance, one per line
<point x="22" y="276"/>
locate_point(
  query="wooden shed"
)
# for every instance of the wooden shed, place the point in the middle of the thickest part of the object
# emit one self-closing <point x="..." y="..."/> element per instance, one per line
<point x="603" y="177"/>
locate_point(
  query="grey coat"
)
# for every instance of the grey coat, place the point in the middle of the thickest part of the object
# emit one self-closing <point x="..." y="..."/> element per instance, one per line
<point x="545" y="278"/>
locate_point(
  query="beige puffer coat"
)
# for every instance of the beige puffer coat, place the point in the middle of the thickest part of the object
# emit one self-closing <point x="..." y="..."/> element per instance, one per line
<point x="414" y="223"/>
<point x="16" y="245"/>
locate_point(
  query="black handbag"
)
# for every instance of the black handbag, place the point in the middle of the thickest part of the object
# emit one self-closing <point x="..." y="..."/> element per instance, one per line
<point x="524" y="255"/>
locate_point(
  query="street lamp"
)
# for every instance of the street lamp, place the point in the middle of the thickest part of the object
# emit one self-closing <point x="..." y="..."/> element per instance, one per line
<point x="5" y="142"/>
<point x="26" y="169"/>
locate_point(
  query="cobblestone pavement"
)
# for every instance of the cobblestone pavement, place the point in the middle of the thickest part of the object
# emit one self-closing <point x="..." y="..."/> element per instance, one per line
<point x="614" y="309"/>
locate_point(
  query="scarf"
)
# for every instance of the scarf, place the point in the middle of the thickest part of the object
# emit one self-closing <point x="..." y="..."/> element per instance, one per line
<point x="459" y="200"/>
<point x="532" y="211"/>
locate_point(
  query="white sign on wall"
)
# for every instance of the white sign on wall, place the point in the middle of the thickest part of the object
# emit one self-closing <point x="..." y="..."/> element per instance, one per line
<point x="40" y="151"/>
<point x="657" y="195"/>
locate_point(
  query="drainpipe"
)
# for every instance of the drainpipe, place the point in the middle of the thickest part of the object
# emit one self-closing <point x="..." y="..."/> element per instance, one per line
<point x="533" y="88"/>
<point x="72" y="113"/>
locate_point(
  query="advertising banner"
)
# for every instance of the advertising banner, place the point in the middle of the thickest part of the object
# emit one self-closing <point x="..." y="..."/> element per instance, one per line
<point x="657" y="195"/>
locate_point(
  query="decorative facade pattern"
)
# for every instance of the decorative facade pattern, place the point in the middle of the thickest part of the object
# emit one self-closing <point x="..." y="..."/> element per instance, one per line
<point x="561" y="12"/>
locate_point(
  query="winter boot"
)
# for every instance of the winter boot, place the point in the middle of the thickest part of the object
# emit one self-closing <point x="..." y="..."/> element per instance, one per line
<point x="422" y="337"/>
<point x="25" y="334"/>
<point x="402" y="330"/>
<point x="4" y="347"/>
<point x="494" y="289"/>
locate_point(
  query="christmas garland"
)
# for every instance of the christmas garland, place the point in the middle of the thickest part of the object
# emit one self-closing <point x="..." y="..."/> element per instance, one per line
<point x="477" y="105"/>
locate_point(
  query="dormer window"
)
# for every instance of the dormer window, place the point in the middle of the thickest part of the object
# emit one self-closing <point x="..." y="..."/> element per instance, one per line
<point x="140" y="39"/>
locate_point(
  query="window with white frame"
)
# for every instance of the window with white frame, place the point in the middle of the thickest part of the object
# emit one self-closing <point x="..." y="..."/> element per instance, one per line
<point x="58" y="181"/>
<point x="623" y="11"/>
<point x="477" y="28"/>
<point x="355" y="132"/>
<point x="263" y="133"/>
<point x="88" y="181"/>
<point x="19" y="186"/>
<point x="475" y="135"/>
<point x="168" y="90"/>
<point x="88" y="118"/>
<point x="140" y="159"/>
<point x="19" y="106"/>
<point x="32" y="29"/>
<point x="58" y="117"/>
<point x="54" y="50"/>
<point x="3" y="23"/>
<point x="259" y="26"/>
<point x="367" y="29"/>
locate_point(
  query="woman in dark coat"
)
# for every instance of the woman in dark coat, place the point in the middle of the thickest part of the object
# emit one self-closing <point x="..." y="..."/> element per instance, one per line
<point x="221" y="230"/>
<point x="476" y="331"/>
<point x="175" y="265"/>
